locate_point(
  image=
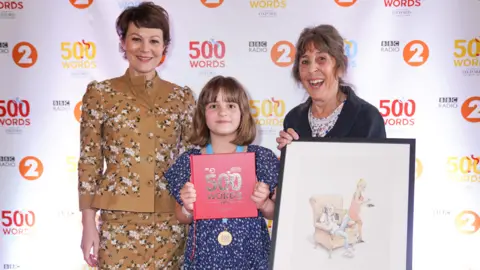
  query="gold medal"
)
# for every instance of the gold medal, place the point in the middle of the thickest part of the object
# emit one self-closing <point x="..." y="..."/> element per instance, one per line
<point x="224" y="238"/>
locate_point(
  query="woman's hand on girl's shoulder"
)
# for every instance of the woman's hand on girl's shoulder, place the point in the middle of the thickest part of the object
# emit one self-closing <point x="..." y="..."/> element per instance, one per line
<point x="287" y="137"/>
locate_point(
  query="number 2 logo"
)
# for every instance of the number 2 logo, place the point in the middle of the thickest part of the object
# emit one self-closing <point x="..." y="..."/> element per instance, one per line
<point x="24" y="54"/>
<point x="471" y="109"/>
<point x="467" y="222"/>
<point x="78" y="111"/>
<point x="345" y="3"/>
<point x="31" y="168"/>
<point x="416" y="53"/>
<point x="283" y="53"/>
<point x="212" y="3"/>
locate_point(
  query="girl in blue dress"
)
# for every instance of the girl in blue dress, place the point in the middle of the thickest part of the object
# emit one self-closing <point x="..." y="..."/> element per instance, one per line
<point x="223" y="124"/>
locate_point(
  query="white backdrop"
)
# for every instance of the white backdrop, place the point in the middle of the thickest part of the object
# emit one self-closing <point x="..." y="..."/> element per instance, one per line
<point x="416" y="60"/>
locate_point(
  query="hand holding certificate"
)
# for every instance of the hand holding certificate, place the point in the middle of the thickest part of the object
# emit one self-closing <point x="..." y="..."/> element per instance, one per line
<point x="224" y="184"/>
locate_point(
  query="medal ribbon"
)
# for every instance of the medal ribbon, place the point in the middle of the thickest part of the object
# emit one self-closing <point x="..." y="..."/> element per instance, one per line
<point x="209" y="151"/>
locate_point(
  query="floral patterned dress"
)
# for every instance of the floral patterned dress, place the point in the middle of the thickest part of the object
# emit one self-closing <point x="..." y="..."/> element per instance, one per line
<point x="250" y="246"/>
<point x="131" y="131"/>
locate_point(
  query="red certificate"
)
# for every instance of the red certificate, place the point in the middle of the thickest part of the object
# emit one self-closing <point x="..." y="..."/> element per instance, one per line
<point x="224" y="184"/>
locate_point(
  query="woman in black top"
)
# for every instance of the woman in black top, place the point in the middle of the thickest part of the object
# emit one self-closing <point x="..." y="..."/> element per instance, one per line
<point x="332" y="109"/>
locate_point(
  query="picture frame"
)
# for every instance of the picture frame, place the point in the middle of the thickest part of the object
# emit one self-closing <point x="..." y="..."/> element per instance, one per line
<point x="344" y="203"/>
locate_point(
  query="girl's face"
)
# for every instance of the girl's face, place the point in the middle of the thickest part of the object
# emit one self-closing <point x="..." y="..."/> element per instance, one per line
<point x="223" y="118"/>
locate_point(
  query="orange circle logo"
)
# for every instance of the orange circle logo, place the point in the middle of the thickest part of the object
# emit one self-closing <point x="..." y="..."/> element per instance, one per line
<point x="467" y="222"/>
<point x="416" y="53"/>
<point x="24" y="54"/>
<point x="31" y="168"/>
<point x="345" y="3"/>
<point x="471" y="109"/>
<point x="81" y="4"/>
<point x="78" y="111"/>
<point x="283" y="53"/>
<point x="212" y="3"/>
<point x="161" y="60"/>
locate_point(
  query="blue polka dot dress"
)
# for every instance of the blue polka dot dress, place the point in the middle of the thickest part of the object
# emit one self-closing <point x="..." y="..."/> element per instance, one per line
<point x="250" y="246"/>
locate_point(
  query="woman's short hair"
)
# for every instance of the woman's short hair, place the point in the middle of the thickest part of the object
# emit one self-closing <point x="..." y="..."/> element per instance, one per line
<point x="232" y="91"/>
<point x="147" y="15"/>
<point x="324" y="38"/>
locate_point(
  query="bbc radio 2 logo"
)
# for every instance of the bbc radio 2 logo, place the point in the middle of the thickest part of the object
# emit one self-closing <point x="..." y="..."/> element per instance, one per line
<point x="467" y="222"/>
<point x="282" y="53"/>
<point x="7" y="161"/>
<point x="463" y="168"/>
<point x="268" y="112"/>
<point x="416" y="53"/>
<point x="448" y="102"/>
<point x="77" y="111"/>
<point x="398" y="112"/>
<point x="471" y="109"/>
<point x="390" y="46"/>
<point x="15" y="113"/>
<point x="24" y="54"/>
<point x="30" y="168"/>
<point x="10" y="266"/>
<point x="207" y="54"/>
<point x="4" y="48"/>
<point x="345" y="3"/>
<point x="80" y="54"/>
<point x="212" y="3"/>
<point x="351" y="50"/>
<point x="81" y="4"/>
<point x="17" y="222"/>
<point x="466" y="53"/>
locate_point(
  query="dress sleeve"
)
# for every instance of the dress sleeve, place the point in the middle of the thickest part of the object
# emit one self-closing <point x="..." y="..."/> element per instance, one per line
<point x="178" y="175"/>
<point x="268" y="167"/>
<point x="90" y="163"/>
<point x="187" y="120"/>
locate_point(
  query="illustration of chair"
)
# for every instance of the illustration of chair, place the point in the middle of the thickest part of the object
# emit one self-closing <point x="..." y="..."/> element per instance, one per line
<point x="324" y="238"/>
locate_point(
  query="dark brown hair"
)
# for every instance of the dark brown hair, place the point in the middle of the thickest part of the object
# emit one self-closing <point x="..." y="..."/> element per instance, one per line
<point x="325" y="38"/>
<point x="147" y="15"/>
<point x="232" y="91"/>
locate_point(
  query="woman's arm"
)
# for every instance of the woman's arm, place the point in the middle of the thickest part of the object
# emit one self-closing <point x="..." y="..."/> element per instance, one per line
<point x="90" y="163"/>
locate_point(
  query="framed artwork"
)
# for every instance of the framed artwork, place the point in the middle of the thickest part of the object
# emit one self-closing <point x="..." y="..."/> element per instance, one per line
<point x="345" y="204"/>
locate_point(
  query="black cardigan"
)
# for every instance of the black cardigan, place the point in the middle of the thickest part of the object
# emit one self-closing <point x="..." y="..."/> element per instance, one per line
<point x="358" y="119"/>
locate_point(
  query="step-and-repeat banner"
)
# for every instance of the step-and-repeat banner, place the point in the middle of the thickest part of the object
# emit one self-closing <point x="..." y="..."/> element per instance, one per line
<point x="416" y="60"/>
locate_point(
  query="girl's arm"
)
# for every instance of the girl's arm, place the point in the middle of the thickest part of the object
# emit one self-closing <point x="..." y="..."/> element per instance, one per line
<point x="268" y="209"/>
<point x="183" y="215"/>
